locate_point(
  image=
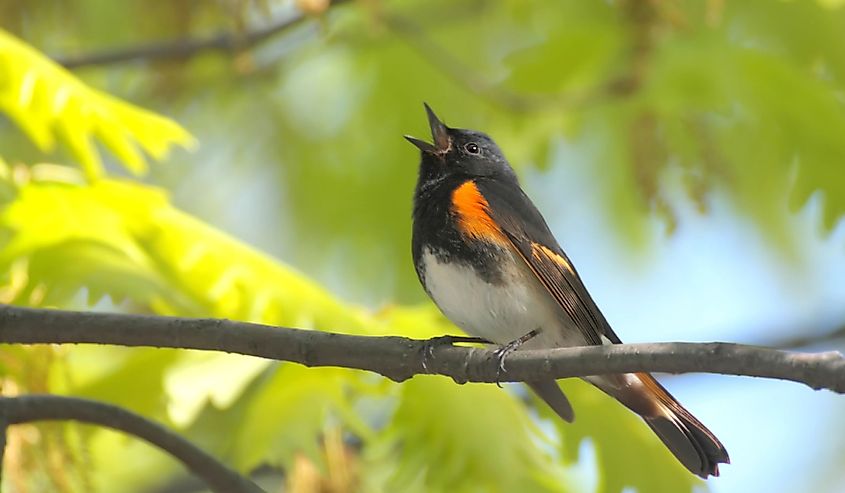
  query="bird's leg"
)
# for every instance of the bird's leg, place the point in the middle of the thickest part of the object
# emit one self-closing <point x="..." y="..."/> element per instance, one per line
<point x="447" y="340"/>
<point x="508" y="348"/>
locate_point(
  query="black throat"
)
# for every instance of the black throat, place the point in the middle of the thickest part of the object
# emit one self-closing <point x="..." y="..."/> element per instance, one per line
<point x="435" y="228"/>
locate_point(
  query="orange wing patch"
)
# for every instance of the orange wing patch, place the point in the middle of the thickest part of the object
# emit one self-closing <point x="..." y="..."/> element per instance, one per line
<point x="474" y="219"/>
<point x="539" y="251"/>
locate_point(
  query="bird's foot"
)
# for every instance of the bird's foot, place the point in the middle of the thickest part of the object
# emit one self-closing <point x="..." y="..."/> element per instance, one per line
<point x="507" y="349"/>
<point x="447" y="340"/>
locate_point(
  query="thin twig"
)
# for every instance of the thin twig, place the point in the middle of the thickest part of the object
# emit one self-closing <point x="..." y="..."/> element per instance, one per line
<point x="29" y="408"/>
<point x="445" y="61"/>
<point x="400" y="358"/>
<point x="803" y="341"/>
<point x="416" y="37"/>
<point x="180" y="49"/>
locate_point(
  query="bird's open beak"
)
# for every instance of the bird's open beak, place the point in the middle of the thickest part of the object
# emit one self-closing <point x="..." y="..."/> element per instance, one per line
<point x="442" y="141"/>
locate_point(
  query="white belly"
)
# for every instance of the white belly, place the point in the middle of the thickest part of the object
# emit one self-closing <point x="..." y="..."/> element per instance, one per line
<point x="498" y="312"/>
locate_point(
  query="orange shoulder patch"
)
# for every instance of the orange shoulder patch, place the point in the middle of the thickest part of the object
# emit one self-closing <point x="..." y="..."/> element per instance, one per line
<point x="471" y="209"/>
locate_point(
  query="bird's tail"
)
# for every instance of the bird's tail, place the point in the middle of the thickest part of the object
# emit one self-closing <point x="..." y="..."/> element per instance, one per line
<point x="550" y="392"/>
<point x="696" y="447"/>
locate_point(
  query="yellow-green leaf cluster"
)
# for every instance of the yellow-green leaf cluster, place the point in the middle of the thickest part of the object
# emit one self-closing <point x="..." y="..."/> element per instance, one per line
<point x="49" y="103"/>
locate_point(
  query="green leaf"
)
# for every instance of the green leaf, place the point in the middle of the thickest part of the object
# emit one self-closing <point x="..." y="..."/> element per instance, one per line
<point x="134" y="381"/>
<point x="445" y="437"/>
<point x="287" y="415"/>
<point x="206" y="377"/>
<point x="46" y="101"/>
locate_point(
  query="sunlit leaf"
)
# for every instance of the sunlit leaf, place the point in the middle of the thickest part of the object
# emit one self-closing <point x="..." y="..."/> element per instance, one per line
<point x="287" y="415"/>
<point x="201" y="378"/>
<point x="471" y="438"/>
<point x="46" y="102"/>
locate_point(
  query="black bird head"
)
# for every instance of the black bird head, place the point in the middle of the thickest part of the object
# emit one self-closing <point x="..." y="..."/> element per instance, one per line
<point x="459" y="152"/>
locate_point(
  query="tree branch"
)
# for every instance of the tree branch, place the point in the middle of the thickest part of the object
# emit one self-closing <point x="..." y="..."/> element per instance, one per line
<point x="218" y="477"/>
<point x="180" y="49"/>
<point x="400" y="358"/>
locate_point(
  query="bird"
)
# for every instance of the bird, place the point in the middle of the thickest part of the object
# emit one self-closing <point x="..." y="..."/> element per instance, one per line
<point x="486" y="257"/>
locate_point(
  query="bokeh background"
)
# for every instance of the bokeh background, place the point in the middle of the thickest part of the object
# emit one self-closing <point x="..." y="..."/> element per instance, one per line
<point x="687" y="154"/>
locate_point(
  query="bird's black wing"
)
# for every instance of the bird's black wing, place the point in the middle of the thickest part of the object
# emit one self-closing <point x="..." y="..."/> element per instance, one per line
<point x="527" y="231"/>
<point x="696" y="447"/>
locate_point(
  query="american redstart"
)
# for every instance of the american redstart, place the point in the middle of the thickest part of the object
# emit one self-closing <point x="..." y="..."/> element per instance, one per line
<point x="485" y="255"/>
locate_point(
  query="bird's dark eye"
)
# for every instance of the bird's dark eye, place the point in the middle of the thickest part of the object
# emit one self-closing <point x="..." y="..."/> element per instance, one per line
<point x="472" y="148"/>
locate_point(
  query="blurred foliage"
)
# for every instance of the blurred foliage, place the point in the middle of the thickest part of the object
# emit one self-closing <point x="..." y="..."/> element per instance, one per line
<point x="739" y="98"/>
<point x="603" y="424"/>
